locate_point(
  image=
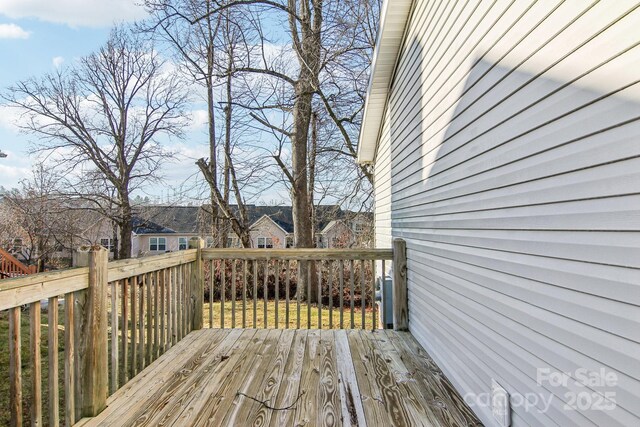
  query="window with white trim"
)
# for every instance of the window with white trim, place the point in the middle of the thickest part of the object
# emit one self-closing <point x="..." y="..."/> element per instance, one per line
<point x="265" y="242"/>
<point x="107" y="244"/>
<point x="157" y="244"/>
<point x="183" y="243"/>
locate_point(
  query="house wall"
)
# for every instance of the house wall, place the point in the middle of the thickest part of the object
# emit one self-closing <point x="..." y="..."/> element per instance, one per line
<point x="140" y="243"/>
<point x="509" y="160"/>
<point x="339" y="236"/>
<point x="265" y="227"/>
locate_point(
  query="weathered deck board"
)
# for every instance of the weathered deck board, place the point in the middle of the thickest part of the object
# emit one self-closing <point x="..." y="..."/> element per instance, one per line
<point x="342" y="378"/>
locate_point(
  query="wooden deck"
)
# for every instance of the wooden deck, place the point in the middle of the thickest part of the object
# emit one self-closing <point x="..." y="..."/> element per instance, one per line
<point x="219" y="377"/>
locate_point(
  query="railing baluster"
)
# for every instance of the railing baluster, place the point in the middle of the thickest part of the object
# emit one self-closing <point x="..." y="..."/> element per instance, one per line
<point x="287" y="279"/>
<point x="255" y="293"/>
<point x="244" y="294"/>
<point x="319" y="268"/>
<point x="309" y="277"/>
<point x="211" y="282"/>
<point x="181" y="303"/>
<point x="52" y="351"/>
<point x="69" y="360"/>
<point x="276" y="268"/>
<point x="223" y="282"/>
<point x="169" y="286"/>
<point x="265" y="293"/>
<point x="185" y="300"/>
<point x="149" y="318"/>
<point x="363" y="293"/>
<point x="163" y="311"/>
<point x="15" y="367"/>
<point x="190" y="303"/>
<point x="298" y="293"/>
<point x="174" y="305"/>
<point x="373" y="292"/>
<point x="233" y="293"/>
<point x="351" y="291"/>
<point x="341" y="278"/>
<point x="134" y="325"/>
<point x="125" y="330"/>
<point x="141" y="317"/>
<point x="330" y="282"/>
<point x="156" y="314"/>
<point x="114" y="338"/>
<point x="36" y="367"/>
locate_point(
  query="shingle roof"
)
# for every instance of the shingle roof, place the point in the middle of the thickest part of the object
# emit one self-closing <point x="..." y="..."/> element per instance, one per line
<point x="179" y="219"/>
<point x="186" y="219"/>
<point x="145" y="226"/>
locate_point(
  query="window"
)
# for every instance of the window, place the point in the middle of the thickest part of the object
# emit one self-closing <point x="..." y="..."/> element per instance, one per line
<point x="209" y="241"/>
<point x="289" y="241"/>
<point x="265" y="242"/>
<point x="233" y="242"/>
<point x="358" y="227"/>
<point x="157" y="244"/>
<point x="107" y="244"/>
<point x="183" y="243"/>
<point x="17" y="245"/>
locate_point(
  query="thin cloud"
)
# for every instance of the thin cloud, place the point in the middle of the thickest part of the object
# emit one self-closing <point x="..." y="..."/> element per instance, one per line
<point x="13" y="31"/>
<point x="57" y="61"/>
<point x="75" y="13"/>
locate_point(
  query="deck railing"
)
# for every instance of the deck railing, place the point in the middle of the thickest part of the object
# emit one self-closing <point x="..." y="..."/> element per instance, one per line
<point x="11" y="267"/>
<point x="302" y="288"/>
<point x="105" y="321"/>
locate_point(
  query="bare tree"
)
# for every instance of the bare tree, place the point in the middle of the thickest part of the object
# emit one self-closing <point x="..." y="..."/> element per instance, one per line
<point x="332" y="43"/>
<point x="210" y="50"/>
<point x="101" y="122"/>
<point x="42" y="220"/>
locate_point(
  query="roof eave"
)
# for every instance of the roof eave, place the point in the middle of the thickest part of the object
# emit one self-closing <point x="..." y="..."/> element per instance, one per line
<point x="393" y="22"/>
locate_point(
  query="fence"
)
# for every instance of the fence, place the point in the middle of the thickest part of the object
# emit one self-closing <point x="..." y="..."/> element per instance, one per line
<point x="106" y="321"/>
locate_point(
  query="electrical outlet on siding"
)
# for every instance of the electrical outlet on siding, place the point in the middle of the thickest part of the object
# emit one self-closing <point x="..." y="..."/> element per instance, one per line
<point x="500" y="404"/>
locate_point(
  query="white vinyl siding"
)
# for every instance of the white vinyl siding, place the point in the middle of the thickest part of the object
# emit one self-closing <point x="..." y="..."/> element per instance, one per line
<point x="509" y="160"/>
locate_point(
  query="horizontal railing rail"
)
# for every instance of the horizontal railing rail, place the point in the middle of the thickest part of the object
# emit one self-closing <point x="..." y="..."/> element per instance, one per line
<point x="298" y="254"/>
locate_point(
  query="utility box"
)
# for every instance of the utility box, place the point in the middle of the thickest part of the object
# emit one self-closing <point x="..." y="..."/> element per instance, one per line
<point x="384" y="296"/>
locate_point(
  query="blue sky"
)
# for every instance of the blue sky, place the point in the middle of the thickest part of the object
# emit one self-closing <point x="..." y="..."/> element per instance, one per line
<point x="38" y="35"/>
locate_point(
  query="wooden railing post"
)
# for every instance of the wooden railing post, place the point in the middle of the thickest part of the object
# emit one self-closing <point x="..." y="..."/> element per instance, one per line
<point x="400" y="302"/>
<point x="197" y="285"/>
<point x="92" y="370"/>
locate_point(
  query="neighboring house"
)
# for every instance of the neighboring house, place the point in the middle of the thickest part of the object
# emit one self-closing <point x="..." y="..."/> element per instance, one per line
<point x="159" y="228"/>
<point x="274" y="227"/>
<point x="346" y="233"/>
<point x="164" y="229"/>
<point x="267" y="233"/>
<point x="505" y="144"/>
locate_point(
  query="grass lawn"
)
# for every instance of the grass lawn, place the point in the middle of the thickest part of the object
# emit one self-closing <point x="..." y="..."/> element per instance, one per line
<point x="293" y="315"/>
<point x="26" y="363"/>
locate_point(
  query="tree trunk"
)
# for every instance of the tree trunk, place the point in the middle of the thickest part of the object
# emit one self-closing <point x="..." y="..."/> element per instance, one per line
<point x="126" y="228"/>
<point x="213" y="161"/>
<point x="308" y="52"/>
